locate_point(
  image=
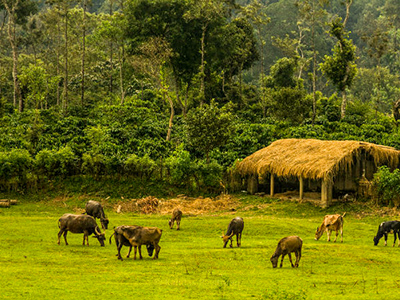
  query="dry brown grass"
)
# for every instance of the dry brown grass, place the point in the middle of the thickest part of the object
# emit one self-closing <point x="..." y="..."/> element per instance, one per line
<point x="189" y="206"/>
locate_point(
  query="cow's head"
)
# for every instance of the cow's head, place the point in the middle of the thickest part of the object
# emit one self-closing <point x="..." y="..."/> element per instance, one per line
<point x="104" y="223"/>
<point x="376" y="240"/>
<point x="318" y="233"/>
<point x="150" y="249"/>
<point x="170" y="223"/>
<point x="226" y="238"/>
<point x="274" y="260"/>
<point x="101" y="237"/>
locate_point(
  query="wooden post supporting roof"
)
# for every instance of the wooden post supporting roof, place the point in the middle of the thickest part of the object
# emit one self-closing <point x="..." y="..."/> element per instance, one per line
<point x="272" y="185"/>
<point x="301" y="191"/>
<point x="326" y="193"/>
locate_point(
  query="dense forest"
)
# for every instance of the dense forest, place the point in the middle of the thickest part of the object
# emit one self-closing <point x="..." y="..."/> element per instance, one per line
<point x="169" y="94"/>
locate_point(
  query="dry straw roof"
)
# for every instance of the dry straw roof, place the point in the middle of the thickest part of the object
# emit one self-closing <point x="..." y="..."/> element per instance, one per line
<point x="314" y="159"/>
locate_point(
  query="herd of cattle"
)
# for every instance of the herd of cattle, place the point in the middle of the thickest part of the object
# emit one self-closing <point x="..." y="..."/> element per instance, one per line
<point x="136" y="236"/>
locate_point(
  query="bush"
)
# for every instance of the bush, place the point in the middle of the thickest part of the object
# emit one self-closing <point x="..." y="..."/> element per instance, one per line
<point x="15" y="167"/>
<point x="180" y="168"/>
<point x="140" y="166"/>
<point x="387" y="186"/>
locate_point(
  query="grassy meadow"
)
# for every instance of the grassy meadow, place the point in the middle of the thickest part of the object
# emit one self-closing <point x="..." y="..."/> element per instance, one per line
<point x="192" y="263"/>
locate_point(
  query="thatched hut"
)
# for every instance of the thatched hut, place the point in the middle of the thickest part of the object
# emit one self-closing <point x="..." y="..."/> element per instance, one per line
<point x="324" y="165"/>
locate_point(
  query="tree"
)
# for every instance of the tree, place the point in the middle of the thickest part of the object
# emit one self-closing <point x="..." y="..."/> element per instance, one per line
<point x="340" y="68"/>
<point x="17" y="12"/>
<point x="286" y="91"/>
<point x="209" y="127"/>
<point x="312" y="12"/>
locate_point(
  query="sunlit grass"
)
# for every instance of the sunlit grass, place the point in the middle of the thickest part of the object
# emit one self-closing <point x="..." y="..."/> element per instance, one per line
<point x="192" y="263"/>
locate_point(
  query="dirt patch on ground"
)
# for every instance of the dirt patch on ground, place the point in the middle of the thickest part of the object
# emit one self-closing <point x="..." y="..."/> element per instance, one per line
<point x="190" y="206"/>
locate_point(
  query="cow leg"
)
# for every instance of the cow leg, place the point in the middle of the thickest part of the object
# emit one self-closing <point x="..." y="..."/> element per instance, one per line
<point x="283" y="255"/>
<point x="119" y="251"/>
<point x="140" y="252"/>
<point x="386" y="236"/>
<point x="239" y="239"/>
<point x="134" y="251"/>
<point x="394" y="242"/>
<point x="129" y="252"/>
<point x="65" y="237"/>
<point x="328" y="234"/>
<point x="178" y="225"/>
<point x="157" y="248"/>
<point x="337" y="233"/>
<point x="231" y="242"/>
<point x="59" y="236"/>
<point x="298" y="256"/>
<point x="341" y="235"/>
<point x="290" y="259"/>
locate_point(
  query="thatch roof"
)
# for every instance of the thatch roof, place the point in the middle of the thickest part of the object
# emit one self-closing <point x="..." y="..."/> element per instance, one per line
<point x="314" y="159"/>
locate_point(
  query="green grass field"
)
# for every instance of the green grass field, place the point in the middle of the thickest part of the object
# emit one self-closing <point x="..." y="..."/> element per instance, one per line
<point x="192" y="263"/>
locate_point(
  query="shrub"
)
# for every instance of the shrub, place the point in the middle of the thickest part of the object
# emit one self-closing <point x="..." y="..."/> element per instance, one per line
<point x="387" y="186"/>
<point x="140" y="166"/>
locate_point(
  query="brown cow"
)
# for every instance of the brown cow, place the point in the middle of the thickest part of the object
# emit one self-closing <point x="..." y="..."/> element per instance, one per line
<point x="138" y="236"/>
<point x="120" y="241"/>
<point x="176" y="216"/>
<point x="330" y="223"/>
<point x="285" y="246"/>
<point x="79" y="224"/>
<point x="235" y="227"/>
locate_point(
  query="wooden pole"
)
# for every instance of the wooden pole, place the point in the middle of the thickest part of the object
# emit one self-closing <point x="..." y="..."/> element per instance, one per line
<point x="272" y="185"/>
<point x="301" y="193"/>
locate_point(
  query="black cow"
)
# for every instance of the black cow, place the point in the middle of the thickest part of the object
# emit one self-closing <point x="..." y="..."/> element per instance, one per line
<point x="79" y="224"/>
<point x="94" y="209"/>
<point x="385" y="228"/>
<point x="234" y="227"/>
<point x="136" y="236"/>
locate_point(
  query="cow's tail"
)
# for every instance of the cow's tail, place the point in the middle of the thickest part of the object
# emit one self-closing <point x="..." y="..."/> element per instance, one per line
<point x="111" y="237"/>
<point x="343" y="214"/>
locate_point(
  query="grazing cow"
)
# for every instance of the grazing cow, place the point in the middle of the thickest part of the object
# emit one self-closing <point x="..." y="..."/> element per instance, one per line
<point x="330" y="223"/>
<point x="176" y="216"/>
<point x="120" y="241"/>
<point x="285" y="246"/>
<point x="234" y="227"/>
<point x="94" y="209"/>
<point x="138" y="236"/>
<point x="79" y="224"/>
<point x="385" y="228"/>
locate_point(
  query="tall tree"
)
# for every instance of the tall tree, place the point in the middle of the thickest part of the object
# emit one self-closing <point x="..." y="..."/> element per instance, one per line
<point x="312" y="12"/>
<point x="17" y="13"/>
<point x="340" y="68"/>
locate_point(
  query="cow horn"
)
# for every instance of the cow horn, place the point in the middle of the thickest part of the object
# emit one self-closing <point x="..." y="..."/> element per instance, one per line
<point x="97" y="231"/>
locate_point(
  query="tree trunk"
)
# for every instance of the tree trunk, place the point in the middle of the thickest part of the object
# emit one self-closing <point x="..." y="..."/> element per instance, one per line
<point x="171" y="105"/>
<point x="65" y="102"/>
<point x="83" y="54"/>
<point x="344" y="105"/>
<point x="13" y="43"/>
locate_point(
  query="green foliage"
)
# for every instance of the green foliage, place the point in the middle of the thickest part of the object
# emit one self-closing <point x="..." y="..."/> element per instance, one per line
<point x="340" y="67"/>
<point x="139" y="166"/>
<point x="180" y="167"/>
<point x="387" y="186"/>
<point x="15" y="168"/>
<point x="209" y="127"/>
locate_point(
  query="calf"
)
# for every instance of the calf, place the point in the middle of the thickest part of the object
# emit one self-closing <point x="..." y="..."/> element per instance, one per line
<point x="79" y="224"/>
<point x="120" y="241"/>
<point x="94" y="209"/>
<point x="138" y="236"/>
<point x="234" y="227"/>
<point x="285" y="246"/>
<point x="176" y="216"/>
<point x="385" y="228"/>
<point x="330" y="223"/>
